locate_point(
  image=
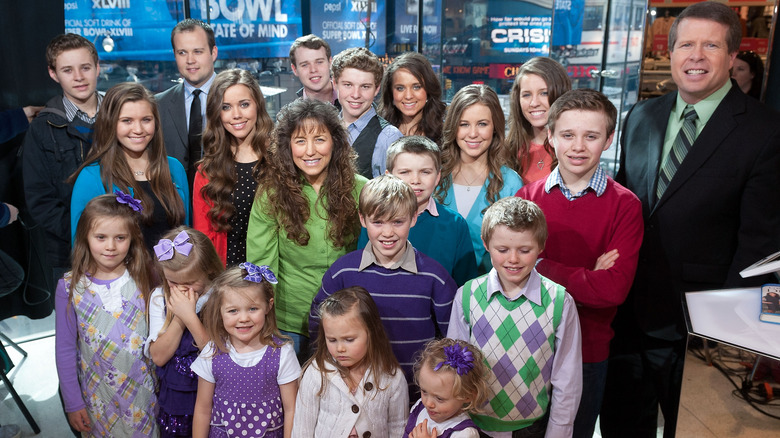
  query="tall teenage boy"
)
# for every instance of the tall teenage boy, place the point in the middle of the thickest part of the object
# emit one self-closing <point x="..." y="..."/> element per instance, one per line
<point x="57" y="142"/>
<point x="595" y="230"/>
<point x="358" y="74"/>
<point x="310" y="61"/>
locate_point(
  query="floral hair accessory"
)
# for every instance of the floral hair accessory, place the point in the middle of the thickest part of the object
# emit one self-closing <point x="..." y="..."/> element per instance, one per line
<point x="127" y="199"/>
<point x="257" y="273"/>
<point x="459" y="358"/>
<point x="165" y="247"/>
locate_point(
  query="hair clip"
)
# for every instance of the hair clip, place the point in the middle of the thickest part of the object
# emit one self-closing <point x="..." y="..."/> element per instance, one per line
<point x="457" y="357"/>
<point x="127" y="199"/>
<point x="165" y="247"/>
<point x="256" y="273"/>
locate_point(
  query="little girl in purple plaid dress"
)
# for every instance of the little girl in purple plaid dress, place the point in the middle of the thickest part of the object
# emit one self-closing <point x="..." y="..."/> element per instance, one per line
<point x="247" y="376"/>
<point x="451" y="376"/>
<point x="108" y="385"/>
<point x="189" y="263"/>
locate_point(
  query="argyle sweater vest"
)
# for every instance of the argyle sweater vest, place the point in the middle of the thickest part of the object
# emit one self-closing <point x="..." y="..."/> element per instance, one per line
<point x="517" y="339"/>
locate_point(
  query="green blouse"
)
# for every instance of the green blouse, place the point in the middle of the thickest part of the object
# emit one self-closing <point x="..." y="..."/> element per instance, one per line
<point x="299" y="269"/>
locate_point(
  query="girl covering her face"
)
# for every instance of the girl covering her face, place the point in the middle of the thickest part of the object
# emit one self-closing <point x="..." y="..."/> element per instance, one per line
<point x="188" y="262"/>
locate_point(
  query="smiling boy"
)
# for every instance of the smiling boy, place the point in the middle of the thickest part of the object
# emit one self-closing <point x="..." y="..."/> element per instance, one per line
<point x="412" y="291"/>
<point x="57" y="142"/>
<point x="595" y="227"/>
<point x="526" y="327"/>
<point x="358" y="74"/>
<point x="439" y="232"/>
<point x="310" y="61"/>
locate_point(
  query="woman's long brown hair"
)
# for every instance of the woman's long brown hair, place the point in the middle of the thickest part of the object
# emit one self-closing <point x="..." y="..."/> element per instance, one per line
<point x="114" y="169"/>
<point x="283" y="182"/>
<point x="218" y="163"/>
<point x="450" y="151"/>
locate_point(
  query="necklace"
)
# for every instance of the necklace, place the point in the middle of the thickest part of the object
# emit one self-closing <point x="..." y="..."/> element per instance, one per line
<point x="138" y="172"/>
<point x="540" y="164"/>
<point x="470" y="183"/>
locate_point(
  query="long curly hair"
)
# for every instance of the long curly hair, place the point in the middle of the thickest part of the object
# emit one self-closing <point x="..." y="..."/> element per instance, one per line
<point x="433" y="112"/>
<point x="283" y="181"/>
<point x="450" y="151"/>
<point x="518" y="141"/>
<point x="137" y="260"/>
<point x="113" y="165"/>
<point x="218" y="164"/>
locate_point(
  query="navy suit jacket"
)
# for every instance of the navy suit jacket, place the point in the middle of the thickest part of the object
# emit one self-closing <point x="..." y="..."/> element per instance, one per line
<point x="719" y="214"/>
<point x="174" y="123"/>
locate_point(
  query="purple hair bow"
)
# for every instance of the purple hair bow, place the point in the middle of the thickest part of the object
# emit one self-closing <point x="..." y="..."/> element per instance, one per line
<point x="165" y="247"/>
<point x="459" y="358"/>
<point x="127" y="199"/>
<point x="257" y="273"/>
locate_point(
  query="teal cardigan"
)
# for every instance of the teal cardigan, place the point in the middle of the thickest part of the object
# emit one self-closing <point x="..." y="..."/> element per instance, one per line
<point x="89" y="185"/>
<point x="512" y="183"/>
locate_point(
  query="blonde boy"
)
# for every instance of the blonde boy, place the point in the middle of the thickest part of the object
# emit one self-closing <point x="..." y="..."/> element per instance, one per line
<point x="595" y="230"/>
<point x="526" y="326"/>
<point x="439" y="233"/>
<point x="412" y="291"/>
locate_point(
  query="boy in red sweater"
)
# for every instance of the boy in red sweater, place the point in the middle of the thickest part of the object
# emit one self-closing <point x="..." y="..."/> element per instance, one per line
<point x="595" y="230"/>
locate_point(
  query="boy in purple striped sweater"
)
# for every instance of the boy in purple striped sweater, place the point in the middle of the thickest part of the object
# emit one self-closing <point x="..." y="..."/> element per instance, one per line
<point x="412" y="291"/>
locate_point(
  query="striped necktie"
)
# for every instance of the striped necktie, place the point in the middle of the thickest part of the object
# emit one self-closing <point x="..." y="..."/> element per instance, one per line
<point x="682" y="144"/>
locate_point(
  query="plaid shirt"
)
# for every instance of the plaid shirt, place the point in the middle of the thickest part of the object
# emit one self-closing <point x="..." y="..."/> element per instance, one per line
<point x="72" y="111"/>
<point x="597" y="183"/>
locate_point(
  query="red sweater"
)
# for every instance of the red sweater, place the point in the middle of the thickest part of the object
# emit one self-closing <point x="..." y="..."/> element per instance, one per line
<point x="580" y="231"/>
<point x="200" y="220"/>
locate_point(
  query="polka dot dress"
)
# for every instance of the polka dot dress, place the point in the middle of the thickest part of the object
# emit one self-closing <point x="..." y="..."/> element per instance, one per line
<point x="247" y="400"/>
<point x="243" y="197"/>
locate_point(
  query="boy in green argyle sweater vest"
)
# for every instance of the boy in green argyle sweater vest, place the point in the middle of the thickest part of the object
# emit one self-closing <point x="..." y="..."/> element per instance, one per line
<point x="526" y="326"/>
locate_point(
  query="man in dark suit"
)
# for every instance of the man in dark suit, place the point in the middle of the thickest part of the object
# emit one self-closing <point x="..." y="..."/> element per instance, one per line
<point x="195" y="50"/>
<point x="709" y="182"/>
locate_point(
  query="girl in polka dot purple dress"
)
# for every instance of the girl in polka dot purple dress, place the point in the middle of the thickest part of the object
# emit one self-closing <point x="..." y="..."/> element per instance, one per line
<point x="247" y="376"/>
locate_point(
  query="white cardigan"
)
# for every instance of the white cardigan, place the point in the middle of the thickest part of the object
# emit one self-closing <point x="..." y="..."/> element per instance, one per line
<point x="383" y="413"/>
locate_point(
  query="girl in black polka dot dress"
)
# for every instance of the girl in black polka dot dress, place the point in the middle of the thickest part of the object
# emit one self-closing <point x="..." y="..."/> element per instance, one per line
<point x="235" y="143"/>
